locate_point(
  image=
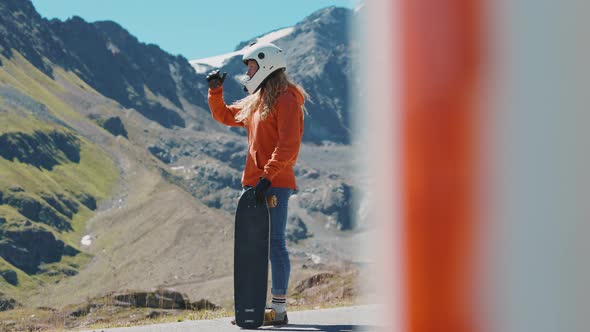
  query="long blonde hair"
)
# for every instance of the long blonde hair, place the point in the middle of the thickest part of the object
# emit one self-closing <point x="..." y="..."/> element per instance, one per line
<point x="265" y="98"/>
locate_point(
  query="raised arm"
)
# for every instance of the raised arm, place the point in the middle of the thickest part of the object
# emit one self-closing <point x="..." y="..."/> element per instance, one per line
<point x="220" y="111"/>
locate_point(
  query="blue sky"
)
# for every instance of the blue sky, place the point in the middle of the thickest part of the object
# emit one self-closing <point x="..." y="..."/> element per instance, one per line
<point x="193" y="28"/>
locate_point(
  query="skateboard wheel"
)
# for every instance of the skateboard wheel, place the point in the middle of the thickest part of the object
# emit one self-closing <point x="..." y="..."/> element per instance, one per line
<point x="271" y="201"/>
<point x="269" y="315"/>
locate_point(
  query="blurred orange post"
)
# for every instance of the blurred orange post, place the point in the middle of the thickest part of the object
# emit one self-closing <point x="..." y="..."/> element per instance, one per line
<point x="440" y="71"/>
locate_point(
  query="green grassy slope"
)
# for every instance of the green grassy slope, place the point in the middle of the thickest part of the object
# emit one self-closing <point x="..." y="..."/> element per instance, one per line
<point x="51" y="176"/>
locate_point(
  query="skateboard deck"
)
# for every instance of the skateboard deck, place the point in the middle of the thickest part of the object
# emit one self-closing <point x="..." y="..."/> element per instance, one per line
<point x="251" y="251"/>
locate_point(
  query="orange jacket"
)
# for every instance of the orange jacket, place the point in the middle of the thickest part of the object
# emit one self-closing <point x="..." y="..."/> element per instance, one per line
<point x="273" y="143"/>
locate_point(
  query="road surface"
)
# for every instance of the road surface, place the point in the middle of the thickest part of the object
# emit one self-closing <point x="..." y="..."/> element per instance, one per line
<point x="356" y="318"/>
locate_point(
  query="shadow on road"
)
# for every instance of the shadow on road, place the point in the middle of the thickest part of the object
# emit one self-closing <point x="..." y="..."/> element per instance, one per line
<point x="323" y="328"/>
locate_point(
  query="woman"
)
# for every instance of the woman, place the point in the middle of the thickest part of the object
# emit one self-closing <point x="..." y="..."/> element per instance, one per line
<point x="273" y="116"/>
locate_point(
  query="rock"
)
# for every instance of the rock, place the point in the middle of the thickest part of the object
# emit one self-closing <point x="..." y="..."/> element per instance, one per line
<point x="115" y="126"/>
<point x="217" y="177"/>
<point x="84" y="310"/>
<point x="163" y="154"/>
<point x="334" y="201"/>
<point x="10" y="276"/>
<point x="160" y="299"/>
<point x="88" y="200"/>
<point x="313" y="175"/>
<point x="54" y="271"/>
<point x="204" y="304"/>
<point x="40" y="149"/>
<point x="16" y="189"/>
<point x="309" y="173"/>
<point x="153" y="314"/>
<point x="67" y="143"/>
<point x="32" y="246"/>
<point x="38" y="211"/>
<point x="70" y="251"/>
<point x="71" y="204"/>
<point x="7" y="303"/>
<point x="296" y="229"/>
<point x="316" y="280"/>
<point x="60" y="203"/>
<point x="326" y="287"/>
<point x="230" y="152"/>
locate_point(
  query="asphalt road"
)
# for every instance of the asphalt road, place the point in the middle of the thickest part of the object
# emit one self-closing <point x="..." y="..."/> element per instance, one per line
<point x="357" y="318"/>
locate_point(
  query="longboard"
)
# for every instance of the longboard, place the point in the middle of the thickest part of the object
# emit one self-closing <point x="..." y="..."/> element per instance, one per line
<point x="251" y="251"/>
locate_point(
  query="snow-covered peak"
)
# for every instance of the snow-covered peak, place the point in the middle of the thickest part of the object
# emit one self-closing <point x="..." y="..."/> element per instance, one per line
<point x="204" y="65"/>
<point x="359" y="7"/>
<point x="269" y="38"/>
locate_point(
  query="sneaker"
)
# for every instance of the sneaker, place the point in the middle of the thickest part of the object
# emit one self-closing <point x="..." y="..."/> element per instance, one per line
<point x="272" y="318"/>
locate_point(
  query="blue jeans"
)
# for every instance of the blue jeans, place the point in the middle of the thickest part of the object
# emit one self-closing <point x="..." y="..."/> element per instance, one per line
<point x="279" y="257"/>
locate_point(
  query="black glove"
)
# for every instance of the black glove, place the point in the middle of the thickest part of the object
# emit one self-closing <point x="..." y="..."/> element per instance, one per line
<point x="215" y="79"/>
<point x="260" y="190"/>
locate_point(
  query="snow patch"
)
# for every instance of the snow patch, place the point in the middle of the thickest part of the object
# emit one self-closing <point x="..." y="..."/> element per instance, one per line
<point x="205" y="65"/>
<point x="314" y="258"/>
<point x="269" y="38"/>
<point x="200" y="68"/>
<point x="86" y="240"/>
<point x="359" y="7"/>
<point x="113" y="48"/>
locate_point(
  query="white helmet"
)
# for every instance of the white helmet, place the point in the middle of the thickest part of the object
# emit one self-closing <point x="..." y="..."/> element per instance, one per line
<point x="269" y="57"/>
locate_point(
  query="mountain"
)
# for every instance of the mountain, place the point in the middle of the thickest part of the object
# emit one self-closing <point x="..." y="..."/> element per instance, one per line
<point x="105" y="56"/>
<point x="118" y="66"/>
<point x="114" y="176"/>
<point x="320" y="55"/>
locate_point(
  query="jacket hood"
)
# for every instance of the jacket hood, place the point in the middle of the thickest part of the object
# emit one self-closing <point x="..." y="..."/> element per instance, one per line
<point x="295" y="92"/>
